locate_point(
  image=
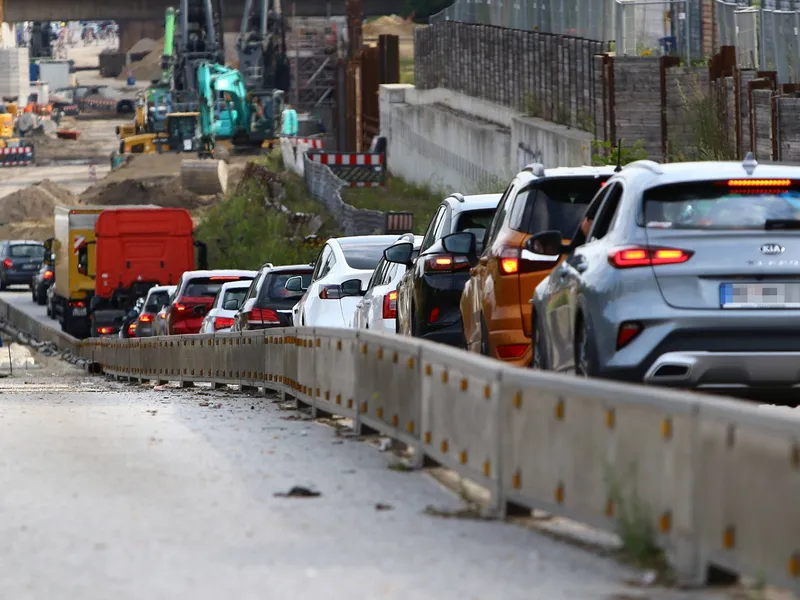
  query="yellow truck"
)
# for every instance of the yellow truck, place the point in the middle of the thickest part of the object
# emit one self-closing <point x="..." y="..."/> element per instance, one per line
<point x="73" y="247"/>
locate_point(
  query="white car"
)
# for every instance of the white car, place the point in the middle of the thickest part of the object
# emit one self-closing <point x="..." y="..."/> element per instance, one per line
<point x="341" y="273"/>
<point x="157" y="298"/>
<point x="378" y="308"/>
<point x="219" y="318"/>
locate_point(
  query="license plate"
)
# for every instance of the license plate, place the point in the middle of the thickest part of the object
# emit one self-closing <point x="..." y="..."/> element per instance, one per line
<point x="30" y="267"/>
<point x="759" y="295"/>
<point x="78" y="312"/>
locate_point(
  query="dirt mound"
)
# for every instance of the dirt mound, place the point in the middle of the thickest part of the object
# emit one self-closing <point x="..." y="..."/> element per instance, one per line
<point x="168" y="192"/>
<point x="145" y="45"/>
<point x="391" y="25"/>
<point x="35" y="203"/>
<point x="149" y="67"/>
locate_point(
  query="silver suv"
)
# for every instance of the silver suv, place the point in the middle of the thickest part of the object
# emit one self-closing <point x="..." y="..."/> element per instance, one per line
<point x="688" y="276"/>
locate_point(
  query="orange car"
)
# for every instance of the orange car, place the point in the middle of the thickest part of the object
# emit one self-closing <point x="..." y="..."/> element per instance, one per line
<point x="495" y="307"/>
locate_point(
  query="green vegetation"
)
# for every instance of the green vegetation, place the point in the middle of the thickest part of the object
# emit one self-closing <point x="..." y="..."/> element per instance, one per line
<point x="398" y="195"/>
<point x="709" y="139"/>
<point x="609" y="153"/>
<point x="407" y="69"/>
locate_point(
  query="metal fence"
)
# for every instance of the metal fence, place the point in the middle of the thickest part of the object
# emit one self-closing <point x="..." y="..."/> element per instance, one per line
<point x="738" y="24"/>
<point x="780" y="39"/>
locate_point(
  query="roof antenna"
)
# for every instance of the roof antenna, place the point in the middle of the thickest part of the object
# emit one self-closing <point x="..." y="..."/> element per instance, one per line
<point x="749" y="164"/>
<point x="618" y="168"/>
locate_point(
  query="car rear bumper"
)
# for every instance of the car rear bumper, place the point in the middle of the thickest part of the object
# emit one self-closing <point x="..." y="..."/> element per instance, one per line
<point x="511" y="337"/>
<point x="739" y="369"/>
<point x="451" y="335"/>
<point x="18" y="278"/>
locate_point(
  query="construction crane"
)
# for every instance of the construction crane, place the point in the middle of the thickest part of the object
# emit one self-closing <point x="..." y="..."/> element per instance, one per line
<point x="254" y="118"/>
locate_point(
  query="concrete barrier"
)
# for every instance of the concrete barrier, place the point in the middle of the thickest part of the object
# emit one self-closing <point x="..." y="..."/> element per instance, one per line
<point x="712" y="482"/>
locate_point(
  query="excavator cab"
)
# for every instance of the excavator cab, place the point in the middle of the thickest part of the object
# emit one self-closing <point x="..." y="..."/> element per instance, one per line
<point x="182" y="131"/>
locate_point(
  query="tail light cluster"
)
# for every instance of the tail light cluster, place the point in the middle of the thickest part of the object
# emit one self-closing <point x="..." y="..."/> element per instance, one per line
<point x="390" y="305"/>
<point x="263" y="316"/>
<point x="446" y="263"/>
<point x="146" y="317"/>
<point x="132" y="329"/>
<point x="509" y="260"/>
<point x="642" y="256"/>
<point x="107" y="330"/>
<point x="222" y="323"/>
<point x="48" y="275"/>
<point x="8" y="263"/>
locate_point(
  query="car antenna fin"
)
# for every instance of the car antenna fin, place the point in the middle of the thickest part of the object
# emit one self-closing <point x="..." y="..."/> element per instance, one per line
<point x="749" y="164"/>
<point x="618" y="168"/>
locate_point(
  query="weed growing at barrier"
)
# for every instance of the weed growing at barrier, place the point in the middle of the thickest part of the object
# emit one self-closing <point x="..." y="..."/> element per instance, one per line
<point x="635" y="525"/>
<point x="247" y="229"/>
<point x="398" y="195"/>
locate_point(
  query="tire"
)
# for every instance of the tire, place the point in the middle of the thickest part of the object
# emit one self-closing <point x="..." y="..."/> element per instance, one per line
<point x="585" y="356"/>
<point x="485" y="349"/>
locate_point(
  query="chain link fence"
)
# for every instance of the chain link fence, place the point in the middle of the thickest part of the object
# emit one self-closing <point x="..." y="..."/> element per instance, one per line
<point x="780" y="39"/>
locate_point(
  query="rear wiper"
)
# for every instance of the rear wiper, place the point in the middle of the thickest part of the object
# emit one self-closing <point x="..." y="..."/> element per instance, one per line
<point x="781" y="224"/>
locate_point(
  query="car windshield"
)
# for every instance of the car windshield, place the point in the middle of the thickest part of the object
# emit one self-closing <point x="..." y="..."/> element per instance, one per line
<point x="558" y="204"/>
<point x="363" y="256"/>
<point x="274" y="288"/>
<point x="475" y="222"/>
<point x="720" y="205"/>
<point x="26" y="251"/>
<point x="209" y="287"/>
<point x="156" y="300"/>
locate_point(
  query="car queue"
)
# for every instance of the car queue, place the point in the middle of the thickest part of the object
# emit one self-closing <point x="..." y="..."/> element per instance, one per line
<point x="681" y="274"/>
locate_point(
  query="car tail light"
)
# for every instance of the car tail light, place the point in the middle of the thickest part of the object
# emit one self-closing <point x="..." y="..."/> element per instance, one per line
<point x="107" y="330"/>
<point x="77" y="304"/>
<point x="8" y="263"/>
<point x="640" y="256"/>
<point x="434" y="315"/>
<point x="180" y="307"/>
<point x="263" y="316"/>
<point x="330" y="292"/>
<point x="511" y="351"/>
<point x="132" y="329"/>
<point x="509" y="260"/>
<point x="48" y="275"/>
<point x="222" y="323"/>
<point x="627" y="333"/>
<point x="390" y="305"/>
<point x="445" y="263"/>
<point x="146" y="318"/>
<point x="768" y="183"/>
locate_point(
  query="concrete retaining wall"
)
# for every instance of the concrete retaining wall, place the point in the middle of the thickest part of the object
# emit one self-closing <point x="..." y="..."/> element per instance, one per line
<point x="453" y="141"/>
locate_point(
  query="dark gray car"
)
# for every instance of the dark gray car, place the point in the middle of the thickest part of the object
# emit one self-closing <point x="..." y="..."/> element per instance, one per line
<point x="689" y="276"/>
<point x="20" y="260"/>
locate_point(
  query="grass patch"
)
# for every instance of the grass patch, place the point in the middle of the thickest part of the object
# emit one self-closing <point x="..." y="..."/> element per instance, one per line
<point x="398" y="195"/>
<point x="407" y="69"/>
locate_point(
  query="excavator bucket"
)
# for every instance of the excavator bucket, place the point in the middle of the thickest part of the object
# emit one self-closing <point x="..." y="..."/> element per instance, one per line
<point x="204" y="177"/>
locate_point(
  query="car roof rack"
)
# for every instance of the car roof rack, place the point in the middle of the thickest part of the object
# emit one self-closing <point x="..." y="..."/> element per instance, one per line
<point x="458" y="196"/>
<point x="537" y="169"/>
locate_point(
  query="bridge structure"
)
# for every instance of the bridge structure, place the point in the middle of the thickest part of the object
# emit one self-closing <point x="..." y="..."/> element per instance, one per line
<point x="145" y="18"/>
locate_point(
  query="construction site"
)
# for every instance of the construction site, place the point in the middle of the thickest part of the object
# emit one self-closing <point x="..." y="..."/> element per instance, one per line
<point x="101" y="155"/>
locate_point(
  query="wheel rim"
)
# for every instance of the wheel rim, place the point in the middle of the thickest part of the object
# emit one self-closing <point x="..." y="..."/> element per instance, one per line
<point x="582" y="362"/>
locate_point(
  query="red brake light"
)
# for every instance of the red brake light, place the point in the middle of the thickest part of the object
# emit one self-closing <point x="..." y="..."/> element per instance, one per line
<point x="108" y="330"/>
<point x="444" y="263"/>
<point x="627" y="333"/>
<point x="77" y="304"/>
<point x="434" y="316"/>
<point x="180" y="307"/>
<point x="48" y="275"/>
<point x="224" y="278"/>
<point x="263" y="316"/>
<point x="750" y="183"/>
<point x="132" y="329"/>
<point x="146" y="318"/>
<point x="330" y="292"/>
<point x="511" y="351"/>
<point x="390" y="305"/>
<point x="624" y="258"/>
<point x="222" y="323"/>
<point x="509" y="260"/>
<point x="8" y="263"/>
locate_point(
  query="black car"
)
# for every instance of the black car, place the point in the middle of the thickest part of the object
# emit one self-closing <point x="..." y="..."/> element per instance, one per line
<point x="19" y="262"/>
<point x="268" y="303"/>
<point x="42" y="281"/>
<point x="129" y="322"/>
<point x="429" y="293"/>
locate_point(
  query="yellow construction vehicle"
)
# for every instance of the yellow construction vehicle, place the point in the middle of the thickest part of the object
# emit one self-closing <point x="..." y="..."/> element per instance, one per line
<point x="179" y="136"/>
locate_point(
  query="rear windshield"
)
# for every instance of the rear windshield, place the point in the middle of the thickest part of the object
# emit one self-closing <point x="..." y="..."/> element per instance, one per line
<point x="363" y="256"/>
<point x="556" y="204"/>
<point x="274" y="288"/>
<point x="156" y="300"/>
<point x="237" y="294"/>
<point x="208" y="286"/>
<point x="475" y="221"/>
<point x="26" y="251"/>
<point x="718" y="205"/>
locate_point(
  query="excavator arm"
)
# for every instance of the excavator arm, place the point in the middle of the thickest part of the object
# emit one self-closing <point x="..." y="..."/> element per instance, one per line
<point x="213" y="81"/>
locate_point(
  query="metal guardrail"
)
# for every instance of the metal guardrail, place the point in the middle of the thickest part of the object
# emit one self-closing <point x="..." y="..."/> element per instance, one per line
<point x="715" y="481"/>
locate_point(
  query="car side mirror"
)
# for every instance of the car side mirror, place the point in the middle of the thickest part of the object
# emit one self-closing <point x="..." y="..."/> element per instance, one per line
<point x="546" y="243"/>
<point x="231" y="305"/>
<point x="399" y="253"/>
<point x="199" y="311"/>
<point x="295" y="284"/>
<point x="462" y="243"/>
<point x="352" y="287"/>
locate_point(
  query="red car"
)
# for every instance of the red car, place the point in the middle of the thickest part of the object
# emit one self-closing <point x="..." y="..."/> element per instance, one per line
<point x="195" y="295"/>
